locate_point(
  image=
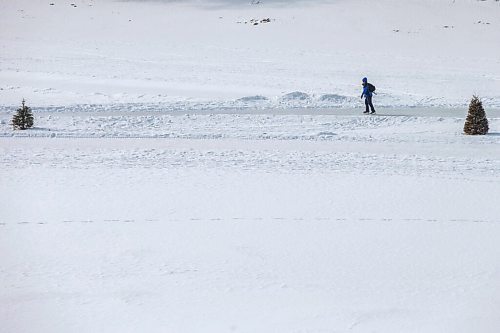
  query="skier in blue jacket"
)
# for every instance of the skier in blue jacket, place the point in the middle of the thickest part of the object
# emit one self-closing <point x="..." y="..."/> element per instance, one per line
<point x="367" y="94"/>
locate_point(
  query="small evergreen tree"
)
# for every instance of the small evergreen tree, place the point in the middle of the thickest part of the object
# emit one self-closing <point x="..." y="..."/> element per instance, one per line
<point x="23" y="119"/>
<point x="476" y="122"/>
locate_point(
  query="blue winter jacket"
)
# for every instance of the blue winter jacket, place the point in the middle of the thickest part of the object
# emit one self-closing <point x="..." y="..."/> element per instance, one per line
<point x="366" y="91"/>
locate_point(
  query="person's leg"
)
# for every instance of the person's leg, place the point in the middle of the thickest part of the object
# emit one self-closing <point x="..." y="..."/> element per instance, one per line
<point x="366" y="105"/>
<point x="369" y="99"/>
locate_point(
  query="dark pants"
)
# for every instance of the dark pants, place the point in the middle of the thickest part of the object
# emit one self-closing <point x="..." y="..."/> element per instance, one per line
<point x="368" y="102"/>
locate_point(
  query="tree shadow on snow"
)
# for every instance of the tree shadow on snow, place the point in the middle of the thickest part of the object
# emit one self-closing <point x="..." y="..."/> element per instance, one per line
<point x="41" y="129"/>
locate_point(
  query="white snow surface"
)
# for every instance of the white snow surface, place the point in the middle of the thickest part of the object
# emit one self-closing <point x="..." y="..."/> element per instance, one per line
<point x="190" y="172"/>
<point x="208" y="53"/>
<point x="247" y="222"/>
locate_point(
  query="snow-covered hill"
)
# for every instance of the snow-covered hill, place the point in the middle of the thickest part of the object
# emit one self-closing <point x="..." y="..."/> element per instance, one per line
<point x="238" y="54"/>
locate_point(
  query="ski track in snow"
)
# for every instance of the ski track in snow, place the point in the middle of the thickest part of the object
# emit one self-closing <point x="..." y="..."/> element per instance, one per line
<point x="250" y="219"/>
<point x="268" y="160"/>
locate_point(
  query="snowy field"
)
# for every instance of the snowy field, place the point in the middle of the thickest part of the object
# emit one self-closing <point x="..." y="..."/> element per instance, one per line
<point x="210" y="54"/>
<point x="190" y="171"/>
<point x="249" y="223"/>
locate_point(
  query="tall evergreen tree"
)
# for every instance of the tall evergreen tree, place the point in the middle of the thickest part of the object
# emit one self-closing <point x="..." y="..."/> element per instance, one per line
<point x="23" y="119"/>
<point x="476" y="122"/>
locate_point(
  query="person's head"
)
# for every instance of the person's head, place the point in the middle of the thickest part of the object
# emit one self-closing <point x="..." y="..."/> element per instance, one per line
<point x="365" y="80"/>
